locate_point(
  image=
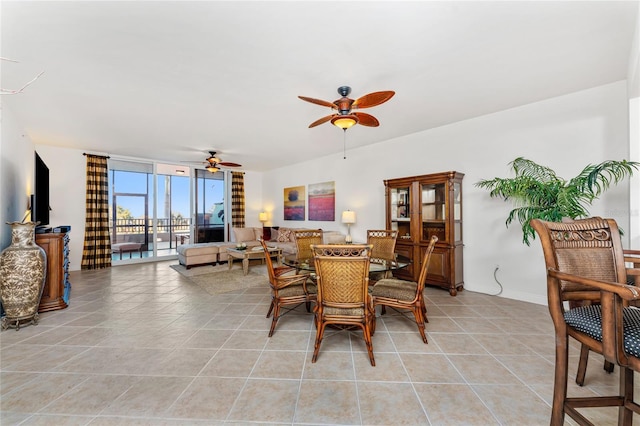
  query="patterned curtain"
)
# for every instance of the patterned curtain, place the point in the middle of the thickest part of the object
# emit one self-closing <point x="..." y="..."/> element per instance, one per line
<point x="237" y="199"/>
<point x="97" y="243"/>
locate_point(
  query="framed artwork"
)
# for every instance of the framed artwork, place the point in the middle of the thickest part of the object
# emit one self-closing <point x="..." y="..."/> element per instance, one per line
<point x="322" y="201"/>
<point x="294" y="203"/>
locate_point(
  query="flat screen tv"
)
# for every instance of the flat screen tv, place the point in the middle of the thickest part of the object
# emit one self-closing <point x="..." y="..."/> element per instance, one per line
<point x="40" y="199"/>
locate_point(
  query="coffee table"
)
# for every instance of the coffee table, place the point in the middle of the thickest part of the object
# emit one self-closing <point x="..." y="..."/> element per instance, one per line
<point x="250" y="254"/>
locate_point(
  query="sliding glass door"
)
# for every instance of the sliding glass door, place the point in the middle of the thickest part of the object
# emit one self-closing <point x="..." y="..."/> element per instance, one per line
<point x="130" y="192"/>
<point x="210" y="220"/>
<point x="151" y="210"/>
<point x="173" y="209"/>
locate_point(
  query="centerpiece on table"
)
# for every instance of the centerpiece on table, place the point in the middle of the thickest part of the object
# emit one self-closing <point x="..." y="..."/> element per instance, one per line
<point x="241" y="246"/>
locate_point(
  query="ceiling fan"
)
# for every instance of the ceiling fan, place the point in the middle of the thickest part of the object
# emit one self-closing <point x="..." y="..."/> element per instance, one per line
<point x="213" y="163"/>
<point x="344" y="117"/>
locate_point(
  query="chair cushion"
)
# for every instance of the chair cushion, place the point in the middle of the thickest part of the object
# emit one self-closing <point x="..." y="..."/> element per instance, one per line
<point x="351" y="312"/>
<point x="588" y="320"/>
<point x="395" y="289"/>
<point x="297" y="290"/>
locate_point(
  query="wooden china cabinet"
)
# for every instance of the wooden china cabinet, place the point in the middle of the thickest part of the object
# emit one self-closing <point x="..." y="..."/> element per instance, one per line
<point x="419" y="207"/>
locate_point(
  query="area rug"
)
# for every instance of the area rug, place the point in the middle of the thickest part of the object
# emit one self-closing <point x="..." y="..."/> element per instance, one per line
<point x="219" y="279"/>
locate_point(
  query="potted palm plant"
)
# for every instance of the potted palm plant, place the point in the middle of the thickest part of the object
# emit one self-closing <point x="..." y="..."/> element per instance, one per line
<point x="539" y="193"/>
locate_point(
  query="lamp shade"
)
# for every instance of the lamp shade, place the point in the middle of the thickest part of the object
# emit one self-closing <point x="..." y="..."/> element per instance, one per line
<point x="262" y="217"/>
<point x="348" y="217"/>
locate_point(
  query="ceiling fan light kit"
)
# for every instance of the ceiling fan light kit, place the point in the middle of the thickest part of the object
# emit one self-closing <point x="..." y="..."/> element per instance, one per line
<point x="344" y="121"/>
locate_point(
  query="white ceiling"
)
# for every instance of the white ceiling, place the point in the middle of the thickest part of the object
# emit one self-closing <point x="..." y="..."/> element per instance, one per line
<point x="170" y="80"/>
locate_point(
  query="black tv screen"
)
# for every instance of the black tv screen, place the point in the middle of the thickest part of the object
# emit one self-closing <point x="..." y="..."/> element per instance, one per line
<point x="40" y="202"/>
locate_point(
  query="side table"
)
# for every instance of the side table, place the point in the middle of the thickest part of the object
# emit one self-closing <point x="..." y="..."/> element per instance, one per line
<point x="250" y="254"/>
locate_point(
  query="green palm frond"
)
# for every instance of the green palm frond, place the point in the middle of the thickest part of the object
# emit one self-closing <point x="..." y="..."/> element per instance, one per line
<point x="527" y="168"/>
<point x="538" y="193"/>
<point x="595" y="179"/>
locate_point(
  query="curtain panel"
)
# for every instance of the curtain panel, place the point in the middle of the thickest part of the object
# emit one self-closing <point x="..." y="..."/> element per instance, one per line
<point x="96" y="253"/>
<point x="237" y="199"/>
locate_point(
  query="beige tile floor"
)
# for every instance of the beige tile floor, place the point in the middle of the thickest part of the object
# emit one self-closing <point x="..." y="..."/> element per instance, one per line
<point x="142" y="345"/>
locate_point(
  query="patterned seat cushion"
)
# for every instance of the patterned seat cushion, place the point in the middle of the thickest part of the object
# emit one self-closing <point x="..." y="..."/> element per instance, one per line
<point x="588" y="320"/>
<point x="395" y="289"/>
<point x="297" y="290"/>
<point x="352" y="312"/>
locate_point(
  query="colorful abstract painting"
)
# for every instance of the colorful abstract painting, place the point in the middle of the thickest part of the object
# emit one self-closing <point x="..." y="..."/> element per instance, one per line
<point x="322" y="201"/>
<point x="294" y="203"/>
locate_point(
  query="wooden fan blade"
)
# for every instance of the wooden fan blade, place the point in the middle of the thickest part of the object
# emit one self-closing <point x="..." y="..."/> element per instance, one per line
<point x="373" y="99"/>
<point x="227" y="164"/>
<point x="366" y="119"/>
<point x="322" y="120"/>
<point x="318" y="102"/>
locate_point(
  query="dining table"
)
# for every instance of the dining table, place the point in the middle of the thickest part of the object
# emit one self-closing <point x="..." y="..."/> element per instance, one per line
<point x="375" y="264"/>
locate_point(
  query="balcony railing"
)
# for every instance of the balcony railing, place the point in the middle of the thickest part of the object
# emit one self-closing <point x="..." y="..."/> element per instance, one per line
<point x="140" y="230"/>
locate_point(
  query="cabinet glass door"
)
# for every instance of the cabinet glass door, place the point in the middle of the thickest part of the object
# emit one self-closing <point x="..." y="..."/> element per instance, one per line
<point x="400" y="209"/>
<point x="434" y="211"/>
<point x="457" y="211"/>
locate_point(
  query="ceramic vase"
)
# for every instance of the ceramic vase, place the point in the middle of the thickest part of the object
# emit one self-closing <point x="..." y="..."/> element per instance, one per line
<point x="22" y="276"/>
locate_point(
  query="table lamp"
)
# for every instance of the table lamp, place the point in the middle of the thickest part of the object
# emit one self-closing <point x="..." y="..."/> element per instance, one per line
<point x="348" y="217"/>
<point x="262" y="217"/>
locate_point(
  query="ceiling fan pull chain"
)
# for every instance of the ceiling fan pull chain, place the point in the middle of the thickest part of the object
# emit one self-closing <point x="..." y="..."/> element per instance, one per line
<point x="344" y="144"/>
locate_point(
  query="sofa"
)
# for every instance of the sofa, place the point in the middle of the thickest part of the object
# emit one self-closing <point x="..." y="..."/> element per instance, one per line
<point x="283" y="238"/>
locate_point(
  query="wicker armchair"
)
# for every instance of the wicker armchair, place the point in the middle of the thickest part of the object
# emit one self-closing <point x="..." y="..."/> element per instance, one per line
<point x="632" y="259"/>
<point x="343" y="296"/>
<point x="401" y="294"/>
<point x="384" y="246"/>
<point x="582" y="258"/>
<point x="286" y="290"/>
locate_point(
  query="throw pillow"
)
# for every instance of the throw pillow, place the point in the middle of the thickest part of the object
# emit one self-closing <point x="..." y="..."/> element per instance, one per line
<point x="284" y="235"/>
<point x="244" y="234"/>
<point x="258" y="233"/>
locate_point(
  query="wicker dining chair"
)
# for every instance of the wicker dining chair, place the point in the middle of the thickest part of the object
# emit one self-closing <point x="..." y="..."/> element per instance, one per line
<point x="287" y="290"/>
<point x="384" y="246"/>
<point x="304" y="239"/>
<point x="582" y="258"/>
<point x="343" y="298"/>
<point x="402" y="294"/>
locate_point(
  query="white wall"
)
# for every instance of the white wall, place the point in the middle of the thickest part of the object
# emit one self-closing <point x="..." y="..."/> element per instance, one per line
<point x="16" y="174"/>
<point x="564" y="133"/>
<point x="634" y="184"/>
<point x="633" y="84"/>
